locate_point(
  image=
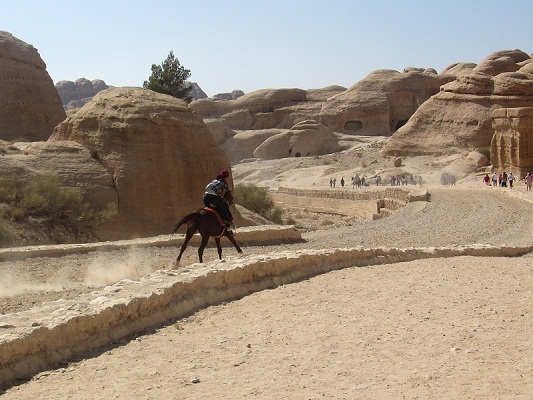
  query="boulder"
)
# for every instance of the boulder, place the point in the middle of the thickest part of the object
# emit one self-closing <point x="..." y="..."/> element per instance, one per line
<point x="398" y="162"/>
<point x="159" y="154"/>
<point x="501" y="61"/>
<point x="30" y="107"/>
<point x="242" y="145"/>
<point x="307" y="138"/>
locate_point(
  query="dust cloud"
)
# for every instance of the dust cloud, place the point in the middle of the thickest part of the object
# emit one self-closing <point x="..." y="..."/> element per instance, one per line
<point x="103" y="271"/>
<point x="19" y="284"/>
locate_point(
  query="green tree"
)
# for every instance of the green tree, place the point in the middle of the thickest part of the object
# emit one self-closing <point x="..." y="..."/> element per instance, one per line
<point x="169" y="78"/>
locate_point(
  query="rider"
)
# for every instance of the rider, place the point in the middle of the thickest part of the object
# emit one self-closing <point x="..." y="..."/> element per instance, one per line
<point x="214" y="196"/>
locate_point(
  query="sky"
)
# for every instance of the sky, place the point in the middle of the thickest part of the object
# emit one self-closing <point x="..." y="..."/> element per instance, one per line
<point x="258" y="44"/>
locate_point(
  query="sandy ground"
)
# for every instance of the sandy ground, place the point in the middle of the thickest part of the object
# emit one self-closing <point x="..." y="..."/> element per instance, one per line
<point x="432" y="329"/>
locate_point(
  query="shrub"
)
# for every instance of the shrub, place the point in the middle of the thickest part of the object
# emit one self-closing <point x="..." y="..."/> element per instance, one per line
<point x="6" y="237"/>
<point x="43" y="196"/>
<point x="275" y="214"/>
<point x="290" y="221"/>
<point x="258" y="200"/>
<point x="447" y="179"/>
<point x="10" y="189"/>
<point x="485" y="151"/>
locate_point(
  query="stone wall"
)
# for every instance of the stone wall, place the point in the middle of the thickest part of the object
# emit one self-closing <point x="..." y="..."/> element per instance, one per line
<point x="512" y="143"/>
<point x="368" y="204"/>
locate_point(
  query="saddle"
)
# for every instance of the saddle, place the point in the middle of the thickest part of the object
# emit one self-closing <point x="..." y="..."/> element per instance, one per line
<point x="214" y="211"/>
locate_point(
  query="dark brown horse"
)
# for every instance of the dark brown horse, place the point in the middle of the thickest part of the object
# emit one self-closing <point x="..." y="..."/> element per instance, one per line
<point x="208" y="225"/>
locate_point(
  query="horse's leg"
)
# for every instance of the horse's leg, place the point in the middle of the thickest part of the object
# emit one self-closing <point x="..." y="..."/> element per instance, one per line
<point x="219" y="248"/>
<point x="205" y="239"/>
<point x="188" y="236"/>
<point x="231" y="238"/>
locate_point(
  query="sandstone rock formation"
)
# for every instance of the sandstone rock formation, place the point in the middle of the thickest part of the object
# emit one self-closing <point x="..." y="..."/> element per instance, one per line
<point x="262" y="109"/>
<point x="459" y="117"/>
<point x="70" y="161"/>
<point x="242" y="145"/>
<point x="378" y="105"/>
<point x="381" y="103"/>
<point x="306" y="138"/>
<point x="30" y="107"/>
<point x="76" y="94"/>
<point x="512" y="143"/>
<point x="196" y="93"/>
<point x="235" y="94"/>
<point x="159" y="154"/>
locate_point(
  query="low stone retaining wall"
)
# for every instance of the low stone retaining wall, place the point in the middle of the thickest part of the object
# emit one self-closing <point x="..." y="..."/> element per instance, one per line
<point x="58" y="331"/>
<point x="405" y="194"/>
<point x="368" y="203"/>
<point x="246" y="236"/>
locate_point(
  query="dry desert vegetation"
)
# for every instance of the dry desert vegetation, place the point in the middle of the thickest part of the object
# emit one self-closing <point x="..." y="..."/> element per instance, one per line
<point x="429" y="329"/>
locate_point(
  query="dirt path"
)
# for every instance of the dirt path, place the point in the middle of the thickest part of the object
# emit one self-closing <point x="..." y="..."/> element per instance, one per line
<point x="446" y="328"/>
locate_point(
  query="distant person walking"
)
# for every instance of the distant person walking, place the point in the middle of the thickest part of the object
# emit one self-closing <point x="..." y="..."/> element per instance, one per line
<point x="504" y="179"/>
<point x="529" y="180"/>
<point x="510" y="178"/>
<point x="495" y="179"/>
<point x="342" y="181"/>
<point x="486" y="179"/>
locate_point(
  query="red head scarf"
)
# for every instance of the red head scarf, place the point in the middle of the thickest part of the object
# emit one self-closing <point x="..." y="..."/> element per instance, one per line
<point x="222" y="174"/>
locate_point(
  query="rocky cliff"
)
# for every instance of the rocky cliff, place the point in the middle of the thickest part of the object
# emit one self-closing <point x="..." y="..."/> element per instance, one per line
<point x="376" y="106"/>
<point x="159" y="154"/>
<point x="459" y="117"/>
<point x="30" y="107"/>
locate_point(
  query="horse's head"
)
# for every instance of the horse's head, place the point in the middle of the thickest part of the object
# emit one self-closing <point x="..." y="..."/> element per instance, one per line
<point x="228" y="196"/>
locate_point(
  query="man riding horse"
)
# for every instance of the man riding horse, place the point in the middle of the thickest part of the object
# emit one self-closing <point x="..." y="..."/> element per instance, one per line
<point x="214" y="197"/>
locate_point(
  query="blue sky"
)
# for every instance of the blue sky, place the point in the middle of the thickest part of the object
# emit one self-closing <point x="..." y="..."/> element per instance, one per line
<point x="254" y="44"/>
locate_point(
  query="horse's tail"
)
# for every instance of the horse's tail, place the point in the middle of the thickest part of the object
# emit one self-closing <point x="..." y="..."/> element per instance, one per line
<point x="184" y="220"/>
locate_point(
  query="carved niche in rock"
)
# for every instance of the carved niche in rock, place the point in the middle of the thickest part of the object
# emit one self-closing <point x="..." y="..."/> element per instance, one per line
<point x="512" y="143"/>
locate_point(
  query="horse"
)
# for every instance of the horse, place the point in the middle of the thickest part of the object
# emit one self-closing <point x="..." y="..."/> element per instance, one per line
<point x="207" y="224"/>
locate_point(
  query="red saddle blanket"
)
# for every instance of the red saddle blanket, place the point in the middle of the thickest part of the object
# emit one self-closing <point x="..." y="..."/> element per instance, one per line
<point x="214" y="211"/>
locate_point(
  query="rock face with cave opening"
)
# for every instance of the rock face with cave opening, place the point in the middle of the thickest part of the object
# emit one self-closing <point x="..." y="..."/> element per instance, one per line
<point x="460" y="116"/>
<point x="253" y="124"/>
<point x="380" y="103"/>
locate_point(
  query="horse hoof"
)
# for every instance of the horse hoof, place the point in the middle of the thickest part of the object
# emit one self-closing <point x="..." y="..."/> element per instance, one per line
<point x="175" y="264"/>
